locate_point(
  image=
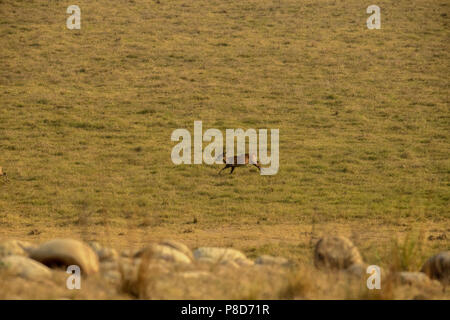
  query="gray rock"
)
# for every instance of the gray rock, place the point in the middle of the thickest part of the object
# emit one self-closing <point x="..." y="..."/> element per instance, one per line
<point x="227" y="263"/>
<point x="163" y="252"/>
<point x="103" y="253"/>
<point x="94" y="245"/>
<point x="178" y="246"/>
<point x="336" y="253"/>
<point x="217" y="255"/>
<point x="109" y="265"/>
<point x="25" y="267"/>
<point x="112" y="276"/>
<point x="244" y="262"/>
<point x="127" y="268"/>
<point x="14" y="247"/>
<point x="415" y="278"/>
<point x="107" y="254"/>
<point x="65" y="252"/>
<point x="357" y="269"/>
<point x="208" y="260"/>
<point x="129" y="253"/>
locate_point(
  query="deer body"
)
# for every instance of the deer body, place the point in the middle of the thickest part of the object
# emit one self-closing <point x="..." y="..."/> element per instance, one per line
<point x="239" y="161"/>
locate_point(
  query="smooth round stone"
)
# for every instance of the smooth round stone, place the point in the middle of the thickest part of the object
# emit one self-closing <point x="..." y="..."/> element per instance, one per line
<point x="336" y="253"/>
<point x="65" y="252"/>
<point x="438" y="267"/>
<point x="220" y="254"/>
<point x="25" y="267"/>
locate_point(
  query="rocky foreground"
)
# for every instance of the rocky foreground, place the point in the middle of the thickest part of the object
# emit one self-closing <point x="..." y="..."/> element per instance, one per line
<point x="171" y="270"/>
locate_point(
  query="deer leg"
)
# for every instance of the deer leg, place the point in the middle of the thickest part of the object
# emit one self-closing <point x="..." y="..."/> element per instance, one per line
<point x="232" y="169"/>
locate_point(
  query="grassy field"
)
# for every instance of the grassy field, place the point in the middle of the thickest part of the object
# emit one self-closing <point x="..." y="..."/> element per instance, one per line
<point x="86" y="118"/>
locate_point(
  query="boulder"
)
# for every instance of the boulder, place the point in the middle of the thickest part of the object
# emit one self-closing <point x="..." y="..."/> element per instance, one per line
<point x="11" y="247"/>
<point x="227" y="263"/>
<point x="178" y="246"/>
<point x="112" y="276"/>
<point x="417" y="279"/>
<point x="65" y="252"/>
<point x="336" y="253"/>
<point x="438" y="267"/>
<point x="14" y="247"/>
<point x="104" y="253"/>
<point x="24" y="267"/>
<point x="110" y="265"/>
<point x="206" y="260"/>
<point x="244" y="262"/>
<point x="358" y="270"/>
<point x="194" y="274"/>
<point x="163" y="252"/>
<point x="127" y="268"/>
<point x="129" y="253"/>
<point x="107" y="254"/>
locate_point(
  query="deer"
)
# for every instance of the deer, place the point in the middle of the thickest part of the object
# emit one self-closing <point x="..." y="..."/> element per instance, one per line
<point x="238" y="161"/>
